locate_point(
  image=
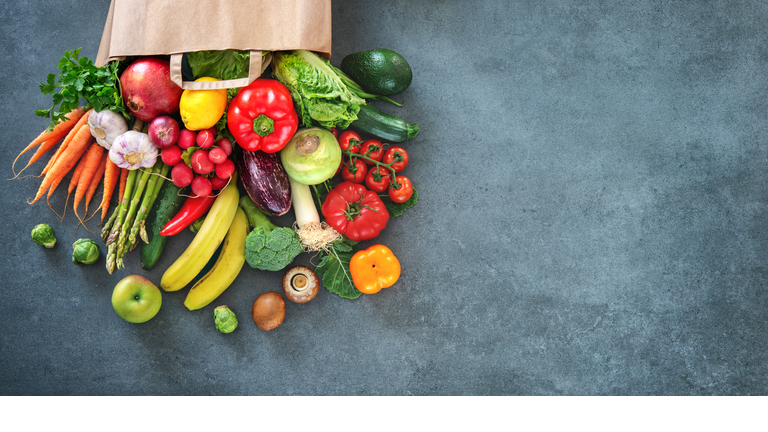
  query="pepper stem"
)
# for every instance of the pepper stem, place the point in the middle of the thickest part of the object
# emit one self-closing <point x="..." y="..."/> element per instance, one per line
<point x="263" y="125"/>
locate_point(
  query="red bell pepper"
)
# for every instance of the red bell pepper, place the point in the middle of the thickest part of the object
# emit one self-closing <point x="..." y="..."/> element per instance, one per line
<point x="354" y="211"/>
<point x="193" y="209"/>
<point x="262" y="116"/>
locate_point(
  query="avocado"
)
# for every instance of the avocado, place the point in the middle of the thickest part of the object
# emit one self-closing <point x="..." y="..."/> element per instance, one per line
<point x="378" y="71"/>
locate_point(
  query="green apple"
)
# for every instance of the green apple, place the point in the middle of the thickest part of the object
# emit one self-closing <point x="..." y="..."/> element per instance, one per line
<point x="136" y="299"/>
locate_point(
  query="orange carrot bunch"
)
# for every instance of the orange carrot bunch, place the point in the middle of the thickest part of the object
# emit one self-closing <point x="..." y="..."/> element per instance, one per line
<point x="79" y="151"/>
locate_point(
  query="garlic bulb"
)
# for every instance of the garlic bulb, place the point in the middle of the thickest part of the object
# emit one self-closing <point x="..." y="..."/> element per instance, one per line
<point x="106" y="126"/>
<point x="133" y="150"/>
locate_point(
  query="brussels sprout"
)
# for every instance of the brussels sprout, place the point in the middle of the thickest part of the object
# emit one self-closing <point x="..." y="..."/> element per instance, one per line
<point x="85" y="251"/>
<point x="225" y="319"/>
<point x="43" y="235"/>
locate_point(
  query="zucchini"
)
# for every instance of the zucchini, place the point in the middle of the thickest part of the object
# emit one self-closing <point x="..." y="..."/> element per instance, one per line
<point x="383" y="126"/>
<point x="168" y="203"/>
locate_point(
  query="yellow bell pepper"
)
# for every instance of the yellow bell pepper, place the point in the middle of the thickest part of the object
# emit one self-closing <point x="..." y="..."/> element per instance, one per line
<point x="374" y="268"/>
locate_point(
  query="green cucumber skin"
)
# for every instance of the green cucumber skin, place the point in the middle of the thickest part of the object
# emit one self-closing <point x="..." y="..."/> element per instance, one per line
<point x="168" y="203"/>
<point x="383" y="126"/>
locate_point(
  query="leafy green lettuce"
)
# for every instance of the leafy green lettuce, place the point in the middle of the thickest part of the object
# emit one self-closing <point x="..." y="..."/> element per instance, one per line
<point x="225" y="65"/>
<point x="322" y="98"/>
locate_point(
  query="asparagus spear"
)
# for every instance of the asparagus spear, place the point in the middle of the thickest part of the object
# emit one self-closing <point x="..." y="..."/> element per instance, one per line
<point x="132" y="209"/>
<point x="153" y="190"/>
<point x="122" y="207"/>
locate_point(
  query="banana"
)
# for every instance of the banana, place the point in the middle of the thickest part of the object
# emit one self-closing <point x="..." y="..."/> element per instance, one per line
<point x="206" y="241"/>
<point x="226" y="268"/>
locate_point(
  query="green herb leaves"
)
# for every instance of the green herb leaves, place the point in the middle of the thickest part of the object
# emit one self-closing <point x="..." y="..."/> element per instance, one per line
<point x="334" y="269"/>
<point x="397" y="209"/>
<point x="80" y="79"/>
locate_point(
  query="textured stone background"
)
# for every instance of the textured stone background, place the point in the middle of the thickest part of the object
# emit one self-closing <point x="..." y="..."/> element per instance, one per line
<point x="593" y="201"/>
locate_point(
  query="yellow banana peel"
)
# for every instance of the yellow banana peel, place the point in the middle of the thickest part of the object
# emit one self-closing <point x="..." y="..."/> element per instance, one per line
<point x="226" y="268"/>
<point x="206" y="241"/>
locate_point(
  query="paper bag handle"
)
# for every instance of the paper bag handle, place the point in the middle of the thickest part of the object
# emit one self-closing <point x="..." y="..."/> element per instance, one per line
<point x="255" y="68"/>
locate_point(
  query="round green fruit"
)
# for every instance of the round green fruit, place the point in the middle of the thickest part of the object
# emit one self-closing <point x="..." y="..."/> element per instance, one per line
<point x="136" y="299"/>
<point x="379" y="71"/>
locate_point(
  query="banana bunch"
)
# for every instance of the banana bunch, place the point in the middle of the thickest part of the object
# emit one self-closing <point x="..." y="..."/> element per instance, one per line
<point x="226" y="268"/>
<point x="206" y="241"/>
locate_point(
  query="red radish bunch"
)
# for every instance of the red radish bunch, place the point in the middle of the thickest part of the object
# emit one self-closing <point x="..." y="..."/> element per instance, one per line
<point x="200" y="161"/>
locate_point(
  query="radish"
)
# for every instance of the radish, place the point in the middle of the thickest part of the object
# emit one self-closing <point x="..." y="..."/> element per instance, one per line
<point x="206" y="137"/>
<point x="201" y="186"/>
<point x="217" y="155"/>
<point x="181" y="175"/>
<point x="225" y="145"/>
<point x="218" y="182"/>
<point x="186" y="138"/>
<point x="201" y="163"/>
<point x="171" y="155"/>
<point x="225" y="169"/>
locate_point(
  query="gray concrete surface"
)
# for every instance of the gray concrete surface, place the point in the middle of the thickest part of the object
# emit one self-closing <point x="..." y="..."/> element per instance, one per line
<point x="592" y="218"/>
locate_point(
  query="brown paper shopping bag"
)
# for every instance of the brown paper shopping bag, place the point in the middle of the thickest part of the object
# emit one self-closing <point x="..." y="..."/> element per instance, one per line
<point x="168" y="27"/>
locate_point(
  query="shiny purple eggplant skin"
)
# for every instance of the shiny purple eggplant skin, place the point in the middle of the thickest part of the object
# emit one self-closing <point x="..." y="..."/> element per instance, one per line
<point x="265" y="180"/>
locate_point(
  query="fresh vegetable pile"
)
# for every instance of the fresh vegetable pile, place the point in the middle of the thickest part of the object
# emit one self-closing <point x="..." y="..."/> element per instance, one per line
<point x="224" y="163"/>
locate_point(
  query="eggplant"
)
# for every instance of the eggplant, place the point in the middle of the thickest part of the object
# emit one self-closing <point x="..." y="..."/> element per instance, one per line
<point x="265" y="180"/>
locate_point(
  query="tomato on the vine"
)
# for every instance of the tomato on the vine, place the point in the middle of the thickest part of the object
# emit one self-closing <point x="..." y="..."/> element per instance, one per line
<point x="376" y="149"/>
<point x="400" y="190"/>
<point x="377" y="179"/>
<point x="357" y="174"/>
<point x="398" y="155"/>
<point x="350" y="140"/>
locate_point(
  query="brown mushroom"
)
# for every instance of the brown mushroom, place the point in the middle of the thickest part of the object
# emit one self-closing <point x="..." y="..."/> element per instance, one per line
<point x="300" y="284"/>
<point x="268" y="310"/>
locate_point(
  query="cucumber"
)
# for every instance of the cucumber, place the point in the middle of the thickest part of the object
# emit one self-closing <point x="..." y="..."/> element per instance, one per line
<point x="167" y="204"/>
<point x="379" y="71"/>
<point x="383" y="126"/>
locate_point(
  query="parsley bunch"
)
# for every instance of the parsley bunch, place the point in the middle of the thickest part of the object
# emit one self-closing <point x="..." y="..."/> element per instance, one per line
<point x="80" y="79"/>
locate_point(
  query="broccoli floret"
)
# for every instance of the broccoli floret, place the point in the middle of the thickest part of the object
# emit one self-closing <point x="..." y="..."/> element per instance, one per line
<point x="267" y="246"/>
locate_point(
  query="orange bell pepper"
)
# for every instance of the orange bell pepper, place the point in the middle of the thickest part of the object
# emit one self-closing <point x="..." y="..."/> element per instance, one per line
<point x="374" y="268"/>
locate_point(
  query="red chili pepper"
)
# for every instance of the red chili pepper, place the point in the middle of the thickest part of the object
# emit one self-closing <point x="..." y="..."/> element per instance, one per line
<point x="193" y="209"/>
<point x="262" y="116"/>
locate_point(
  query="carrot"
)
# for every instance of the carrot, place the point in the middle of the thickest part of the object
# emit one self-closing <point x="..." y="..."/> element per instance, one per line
<point x="123" y="179"/>
<point x="83" y="121"/>
<point x="41" y="150"/>
<point x="66" y="161"/>
<point x="95" y="180"/>
<point x="111" y="176"/>
<point x="76" y="176"/>
<point x="59" y="131"/>
<point x="56" y="182"/>
<point x="72" y="184"/>
<point x="91" y="159"/>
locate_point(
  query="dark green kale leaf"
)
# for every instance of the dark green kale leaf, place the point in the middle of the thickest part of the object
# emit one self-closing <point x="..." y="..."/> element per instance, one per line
<point x="334" y="270"/>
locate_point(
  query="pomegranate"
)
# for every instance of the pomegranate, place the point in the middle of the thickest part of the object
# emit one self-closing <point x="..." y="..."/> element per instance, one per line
<point x="147" y="88"/>
<point x="163" y="132"/>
